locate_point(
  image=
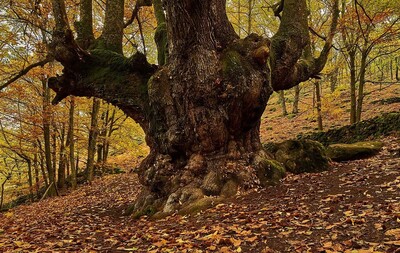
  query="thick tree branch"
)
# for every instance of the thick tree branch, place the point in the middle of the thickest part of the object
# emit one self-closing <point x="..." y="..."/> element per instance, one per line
<point x="113" y="26"/>
<point x="110" y="76"/>
<point x="278" y="8"/>
<point x="291" y="61"/>
<point x="25" y="71"/>
<point x="84" y="27"/>
<point x="101" y="72"/>
<point x="160" y="36"/>
<point x="60" y="15"/>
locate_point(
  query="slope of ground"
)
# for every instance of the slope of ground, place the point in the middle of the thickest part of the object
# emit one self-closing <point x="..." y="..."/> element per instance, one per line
<point x="335" y="111"/>
<point x="354" y="206"/>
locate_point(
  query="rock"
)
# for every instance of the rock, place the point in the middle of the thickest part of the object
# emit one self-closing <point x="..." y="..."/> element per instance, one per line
<point x="212" y="184"/>
<point x="345" y="152"/>
<point x="383" y="125"/>
<point x="299" y="156"/>
<point x="269" y="171"/>
<point x="199" y="205"/>
<point x="230" y="189"/>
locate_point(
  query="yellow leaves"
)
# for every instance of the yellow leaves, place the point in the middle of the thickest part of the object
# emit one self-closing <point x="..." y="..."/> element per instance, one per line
<point x="393" y="232"/>
<point x="370" y="250"/>
<point x="395" y="243"/>
<point x="235" y="242"/>
<point x="9" y="214"/>
<point x="212" y="247"/>
<point x="378" y="226"/>
<point x="127" y="249"/>
<point x="160" y="243"/>
<point x="22" y="244"/>
<point x="251" y="239"/>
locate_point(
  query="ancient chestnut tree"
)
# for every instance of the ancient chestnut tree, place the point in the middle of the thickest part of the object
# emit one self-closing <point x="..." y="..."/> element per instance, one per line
<point x="200" y="107"/>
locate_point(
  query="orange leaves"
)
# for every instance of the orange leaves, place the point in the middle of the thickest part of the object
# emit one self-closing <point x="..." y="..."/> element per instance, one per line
<point x="348" y="209"/>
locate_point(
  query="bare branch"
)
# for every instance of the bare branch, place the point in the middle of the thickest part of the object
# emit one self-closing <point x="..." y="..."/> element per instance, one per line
<point x="25" y="71"/>
<point x="365" y="12"/>
<point x="135" y="11"/>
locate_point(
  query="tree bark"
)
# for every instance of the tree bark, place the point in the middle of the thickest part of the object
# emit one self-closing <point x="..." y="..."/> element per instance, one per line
<point x="2" y="193"/>
<point x="353" y="98"/>
<point x="360" y="99"/>
<point x="43" y="170"/>
<point x="319" y="105"/>
<point x="93" y="133"/>
<point x="201" y="108"/>
<point x="30" y="180"/>
<point x="47" y="139"/>
<point x="282" y="100"/>
<point x="36" y="169"/>
<point x="71" y="144"/>
<point x="62" y="160"/>
<point x="296" y="99"/>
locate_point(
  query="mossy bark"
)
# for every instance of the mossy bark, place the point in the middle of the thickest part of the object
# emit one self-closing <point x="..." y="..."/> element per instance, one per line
<point x="201" y="108"/>
<point x="345" y="152"/>
<point x="206" y="105"/>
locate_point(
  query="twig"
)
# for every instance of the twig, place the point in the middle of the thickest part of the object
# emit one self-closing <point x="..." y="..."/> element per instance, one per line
<point x="25" y="71"/>
<point x="47" y="191"/>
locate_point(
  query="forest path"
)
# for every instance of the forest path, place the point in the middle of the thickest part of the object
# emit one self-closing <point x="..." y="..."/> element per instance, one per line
<point x="354" y="206"/>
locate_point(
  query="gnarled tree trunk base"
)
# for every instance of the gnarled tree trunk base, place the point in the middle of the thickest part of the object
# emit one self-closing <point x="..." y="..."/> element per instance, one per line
<point x="202" y="181"/>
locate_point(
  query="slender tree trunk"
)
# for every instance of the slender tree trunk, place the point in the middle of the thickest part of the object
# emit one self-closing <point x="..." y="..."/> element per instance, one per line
<point x="2" y="193"/>
<point x="282" y="100"/>
<point x="47" y="136"/>
<point x="36" y="169"/>
<point x="93" y="133"/>
<point x="296" y="99"/>
<point x="54" y="152"/>
<point x="43" y="170"/>
<point x="250" y="16"/>
<point x="30" y="180"/>
<point x="109" y="132"/>
<point x="361" y="86"/>
<point x="333" y="79"/>
<point x="397" y="68"/>
<point x="391" y="69"/>
<point x="319" y="105"/>
<point x="353" y="101"/>
<point x="71" y="144"/>
<point x="102" y="135"/>
<point x="62" y="160"/>
<point x="239" y="19"/>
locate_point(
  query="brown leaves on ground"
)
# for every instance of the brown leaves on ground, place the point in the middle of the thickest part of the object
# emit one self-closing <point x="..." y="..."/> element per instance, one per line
<point x="355" y="207"/>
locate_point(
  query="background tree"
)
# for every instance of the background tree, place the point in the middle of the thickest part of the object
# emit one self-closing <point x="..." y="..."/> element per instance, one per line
<point x="365" y="26"/>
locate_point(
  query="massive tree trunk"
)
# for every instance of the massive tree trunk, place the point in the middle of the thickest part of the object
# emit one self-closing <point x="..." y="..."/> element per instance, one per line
<point x="201" y="108"/>
<point x="206" y="104"/>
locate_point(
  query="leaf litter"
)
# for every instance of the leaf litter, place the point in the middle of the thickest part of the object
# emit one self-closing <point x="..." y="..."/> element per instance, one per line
<point x="354" y="207"/>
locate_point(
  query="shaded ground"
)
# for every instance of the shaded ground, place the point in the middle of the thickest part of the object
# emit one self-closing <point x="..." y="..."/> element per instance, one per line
<point x="355" y="206"/>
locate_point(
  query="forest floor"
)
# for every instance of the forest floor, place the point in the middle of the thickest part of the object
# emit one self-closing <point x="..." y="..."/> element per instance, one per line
<point x="354" y="207"/>
<point x="335" y="110"/>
